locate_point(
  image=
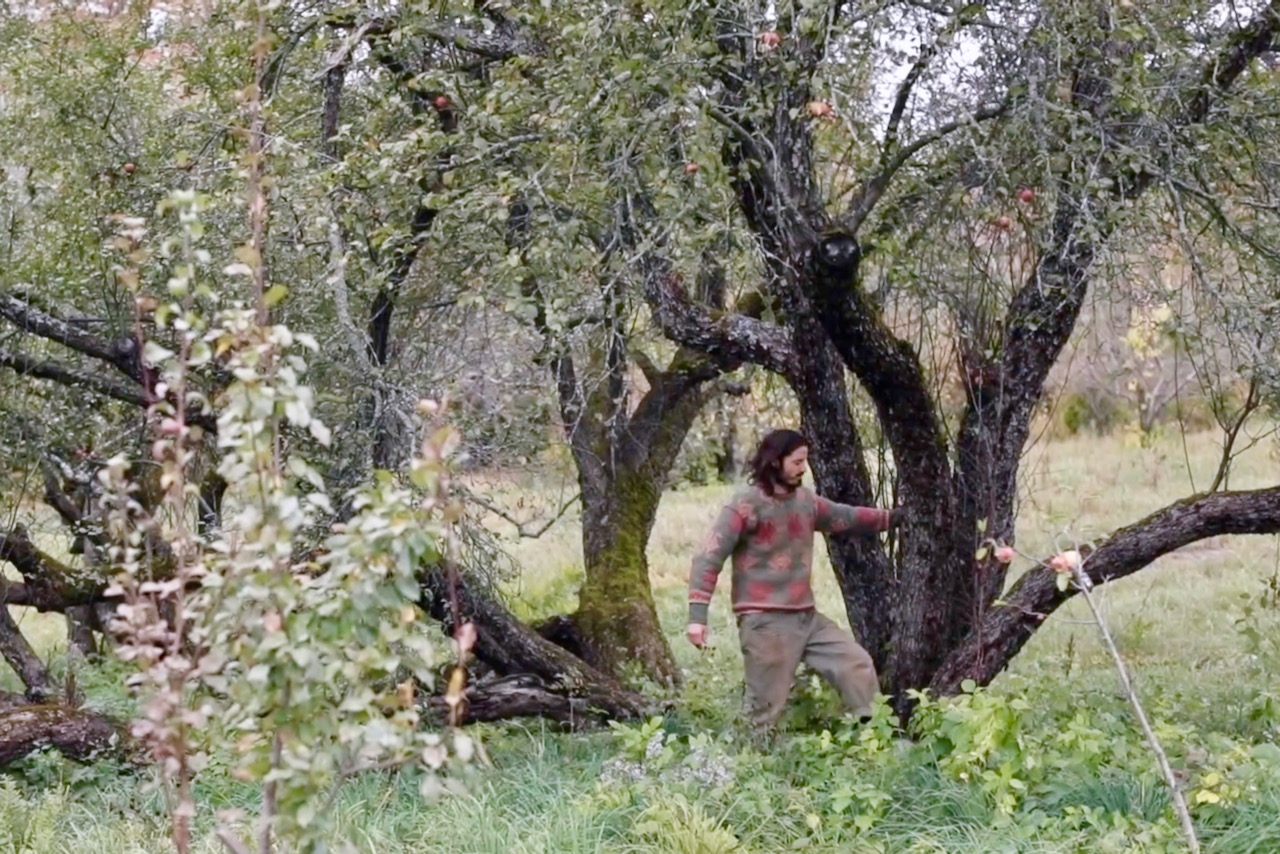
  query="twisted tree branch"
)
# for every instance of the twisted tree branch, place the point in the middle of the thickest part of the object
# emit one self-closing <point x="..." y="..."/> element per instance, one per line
<point x="50" y="585"/>
<point x="73" y="377"/>
<point x="31" y="319"/>
<point x="1036" y="595"/>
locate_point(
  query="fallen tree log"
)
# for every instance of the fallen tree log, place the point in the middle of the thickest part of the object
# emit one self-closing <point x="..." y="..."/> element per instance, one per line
<point x="75" y="733"/>
<point x="563" y="686"/>
<point x="520" y="696"/>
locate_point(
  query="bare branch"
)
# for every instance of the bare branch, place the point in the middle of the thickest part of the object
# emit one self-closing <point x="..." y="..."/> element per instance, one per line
<point x="68" y="376"/>
<point x="1255" y="39"/>
<point x="15" y="650"/>
<point x="124" y="355"/>
<point x="872" y="190"/>
<point x="728" y="335"/>
<point x="914" y="74"/>
<point x="37" y="322"/>
<point x="1179" y="803"/>
<point x="50" y="584"/>
<point x="521" y="527"/>
<point x="504" y="42"/>
<point x="1251" y="405"/>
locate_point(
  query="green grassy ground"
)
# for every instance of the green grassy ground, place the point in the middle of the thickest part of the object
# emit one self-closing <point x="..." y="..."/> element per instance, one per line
<point x="1206" y="677"/>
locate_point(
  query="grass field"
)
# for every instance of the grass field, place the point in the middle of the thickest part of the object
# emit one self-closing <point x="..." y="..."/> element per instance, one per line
<point x="976" y="784"/>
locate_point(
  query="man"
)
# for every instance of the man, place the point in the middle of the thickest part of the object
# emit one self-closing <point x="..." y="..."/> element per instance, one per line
<point x="768" y="531"/>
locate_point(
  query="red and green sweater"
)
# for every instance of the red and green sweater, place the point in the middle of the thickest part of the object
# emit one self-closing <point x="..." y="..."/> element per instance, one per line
<point x="771" y="542"/>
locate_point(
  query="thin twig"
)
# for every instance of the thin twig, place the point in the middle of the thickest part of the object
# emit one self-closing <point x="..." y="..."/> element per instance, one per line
<point x="1084" y="584"/>
<point x="229" y="839"/>
<point x="269" y="794"/>
<point x="1251" y="404"/>
<point x="914" y="74"/>
<point x="485" y="504"/>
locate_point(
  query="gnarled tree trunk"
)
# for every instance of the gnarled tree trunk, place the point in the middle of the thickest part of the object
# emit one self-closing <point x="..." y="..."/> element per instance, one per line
<point x="616" y="621"/>
<point x="934" y="618"/>
<point x="624" y="450"/>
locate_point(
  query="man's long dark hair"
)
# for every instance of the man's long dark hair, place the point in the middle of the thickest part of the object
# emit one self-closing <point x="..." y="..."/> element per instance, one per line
<point x="766" y="465"/>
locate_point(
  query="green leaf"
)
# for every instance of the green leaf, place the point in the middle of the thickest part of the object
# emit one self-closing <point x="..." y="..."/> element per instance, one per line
<point x="320" y="432"/>
<point x="274" y="295"/>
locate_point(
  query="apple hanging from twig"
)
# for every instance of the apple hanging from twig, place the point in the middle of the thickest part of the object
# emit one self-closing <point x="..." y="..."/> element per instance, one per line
<point x="821" y="109"/>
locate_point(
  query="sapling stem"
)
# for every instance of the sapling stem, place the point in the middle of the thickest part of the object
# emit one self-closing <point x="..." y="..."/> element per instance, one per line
<point x="1085" y="585"/>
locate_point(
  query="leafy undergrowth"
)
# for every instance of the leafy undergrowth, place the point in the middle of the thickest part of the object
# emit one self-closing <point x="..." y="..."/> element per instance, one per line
<point x="1054" y="767"/>
<point x="1046" y="760"/>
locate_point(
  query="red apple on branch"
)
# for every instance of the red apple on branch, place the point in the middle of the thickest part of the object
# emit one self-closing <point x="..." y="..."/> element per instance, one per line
<point x="821" y="109"/>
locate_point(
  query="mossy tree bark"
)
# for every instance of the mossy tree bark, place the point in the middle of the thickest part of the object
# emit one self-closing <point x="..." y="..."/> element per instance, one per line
<point x="616" y="621"/>
<point x="78" y="734"/>
<point x="624" y="441"/>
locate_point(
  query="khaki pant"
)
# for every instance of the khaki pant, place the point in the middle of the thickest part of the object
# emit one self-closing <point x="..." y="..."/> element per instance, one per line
<point x="773" y="645"/>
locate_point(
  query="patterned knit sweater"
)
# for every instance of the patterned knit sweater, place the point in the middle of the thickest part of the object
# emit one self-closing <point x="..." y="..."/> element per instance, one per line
<point x="771" y="542"/>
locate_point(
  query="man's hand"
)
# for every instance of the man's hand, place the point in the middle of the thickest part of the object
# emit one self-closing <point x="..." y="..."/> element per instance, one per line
<point x="697" y="633"/>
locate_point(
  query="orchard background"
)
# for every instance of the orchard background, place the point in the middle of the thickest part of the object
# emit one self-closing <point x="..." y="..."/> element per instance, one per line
<point x="371" y="372"/>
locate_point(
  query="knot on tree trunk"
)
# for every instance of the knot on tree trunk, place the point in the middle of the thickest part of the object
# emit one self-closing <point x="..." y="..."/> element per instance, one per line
<point x="837" y="256"/>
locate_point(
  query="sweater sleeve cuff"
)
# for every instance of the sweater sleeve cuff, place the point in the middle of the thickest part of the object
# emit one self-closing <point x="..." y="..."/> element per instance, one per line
<point x="872" y="519"/>
<point x="698" y="612"/>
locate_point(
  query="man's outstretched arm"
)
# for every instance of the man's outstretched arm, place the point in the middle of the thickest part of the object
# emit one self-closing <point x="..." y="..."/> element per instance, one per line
<point x="832" y="518"/>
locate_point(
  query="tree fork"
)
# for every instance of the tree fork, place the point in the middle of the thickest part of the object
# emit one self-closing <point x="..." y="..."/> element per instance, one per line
<point x="931" y="607"/>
